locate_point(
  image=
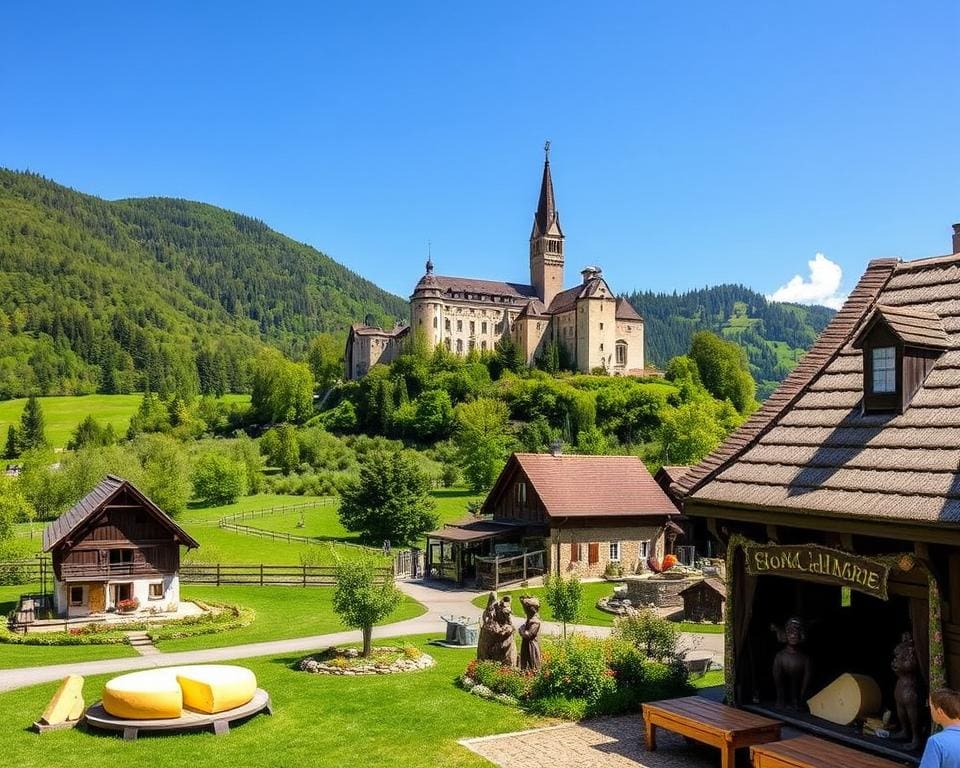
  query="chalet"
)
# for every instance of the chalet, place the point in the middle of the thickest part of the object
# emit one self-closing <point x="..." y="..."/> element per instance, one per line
<point x="113" y="545"/>
<point x="579" y="513"/>
<point x="837" y="504"/>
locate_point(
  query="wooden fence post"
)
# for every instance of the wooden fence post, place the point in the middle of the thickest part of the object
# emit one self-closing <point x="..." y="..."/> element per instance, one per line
<point x="261" y="574"/>
<point x="218" y="574"/>
<point x="496" y="573"/>
<point x="304" y="574"/>
<point x="524" y="566"/>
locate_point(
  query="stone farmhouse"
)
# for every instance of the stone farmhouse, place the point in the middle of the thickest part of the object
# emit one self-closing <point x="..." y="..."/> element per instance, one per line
<point x="114" y="545"/>
<point x="595" y="328"/>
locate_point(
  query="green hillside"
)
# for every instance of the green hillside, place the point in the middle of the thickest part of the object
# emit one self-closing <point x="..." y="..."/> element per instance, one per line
<point x="774" y="335"/>
<point x="100" y="296"/>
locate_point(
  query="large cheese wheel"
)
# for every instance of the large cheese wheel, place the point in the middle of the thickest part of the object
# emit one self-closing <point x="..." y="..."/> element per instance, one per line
<point x="153" y="694"/>
<point x="846" y="699"/>
<point x="215" y="687"/>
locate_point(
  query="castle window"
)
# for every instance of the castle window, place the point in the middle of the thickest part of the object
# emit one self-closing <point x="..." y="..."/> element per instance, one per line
<point x="621" y="353"/>
<point x="436" y="321"/>
<point x="459" y="346"/>
<point x="483" y="345"/>
<point x="483" y="327"/>
<point x="473" y="345"/>
<point x="601" y="326"/>
<point x="446" y="342"/>
<point x="884" y="370"/>
<point x="601" y="346"/>
<point x="473" y="327"/>
<point x="446" y="324"/>
<point x="459" y="325"/>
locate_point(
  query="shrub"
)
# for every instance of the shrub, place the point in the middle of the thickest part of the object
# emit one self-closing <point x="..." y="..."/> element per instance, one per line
<point x="575" y="668"/>
<point x="564" y="597"/>
<point x="655" y="636"/>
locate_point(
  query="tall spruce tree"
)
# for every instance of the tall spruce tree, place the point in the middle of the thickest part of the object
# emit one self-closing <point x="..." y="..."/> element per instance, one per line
<point x="32" y="426"/>
<point x="11" y="450"/>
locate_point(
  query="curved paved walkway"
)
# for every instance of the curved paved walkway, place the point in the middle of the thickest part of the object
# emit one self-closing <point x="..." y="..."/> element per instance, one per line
<point x="438" y="600"/>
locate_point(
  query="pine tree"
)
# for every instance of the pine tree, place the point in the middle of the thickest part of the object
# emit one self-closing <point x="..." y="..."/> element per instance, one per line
<point x="11" y="450"/>
<point x="32" y="425"/>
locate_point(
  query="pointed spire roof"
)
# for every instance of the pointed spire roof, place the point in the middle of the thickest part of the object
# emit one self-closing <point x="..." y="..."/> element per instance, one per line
<point x="546" y="219"/>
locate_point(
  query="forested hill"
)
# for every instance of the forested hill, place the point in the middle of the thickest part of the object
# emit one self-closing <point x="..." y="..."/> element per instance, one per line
<point x="111" y="296"/>
<point x="775" y="335"/>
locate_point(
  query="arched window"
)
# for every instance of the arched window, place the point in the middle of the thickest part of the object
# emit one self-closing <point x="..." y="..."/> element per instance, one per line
<point x="459" y="346"/>
<point x="621" y="353"/>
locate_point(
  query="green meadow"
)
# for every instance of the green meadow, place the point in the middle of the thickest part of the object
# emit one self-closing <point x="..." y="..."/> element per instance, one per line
<point x="62" y="414"/>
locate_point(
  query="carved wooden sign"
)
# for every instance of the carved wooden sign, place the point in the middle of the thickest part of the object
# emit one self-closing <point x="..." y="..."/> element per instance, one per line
<point x="822" y="564"/>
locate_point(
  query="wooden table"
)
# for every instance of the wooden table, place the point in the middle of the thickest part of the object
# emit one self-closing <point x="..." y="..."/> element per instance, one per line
<point x="811" y="752"/>
<point x="710" y="723"/>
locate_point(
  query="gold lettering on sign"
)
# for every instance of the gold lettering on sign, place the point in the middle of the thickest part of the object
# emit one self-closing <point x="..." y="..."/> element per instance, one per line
<point x="816" y="563"/>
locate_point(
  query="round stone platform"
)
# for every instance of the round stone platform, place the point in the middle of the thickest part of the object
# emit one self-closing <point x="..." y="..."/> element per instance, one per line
<point x="98" y="717"/>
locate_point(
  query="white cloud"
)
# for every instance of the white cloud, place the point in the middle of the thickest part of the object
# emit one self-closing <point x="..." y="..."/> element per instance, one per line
<point x="822" y="287"/>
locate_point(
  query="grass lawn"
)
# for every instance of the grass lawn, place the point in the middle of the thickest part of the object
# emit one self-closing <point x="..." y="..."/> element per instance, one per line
<point x="282" y="612"/>
<point x="201" y="513"/>
<point x="391" y="721"/>
<point x="62" y="414"/>
<point x="711" y="679"/>
<point x="322" y="524"/>
<point x="589" y="613"/>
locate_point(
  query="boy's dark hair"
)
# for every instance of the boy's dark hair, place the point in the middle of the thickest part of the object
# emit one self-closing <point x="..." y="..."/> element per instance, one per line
<point x="948" y="700"/>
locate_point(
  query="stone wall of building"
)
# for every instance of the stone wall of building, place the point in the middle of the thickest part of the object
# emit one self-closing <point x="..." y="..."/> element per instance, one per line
<point x="630" y="538"/>
<point x="630" y="334"/>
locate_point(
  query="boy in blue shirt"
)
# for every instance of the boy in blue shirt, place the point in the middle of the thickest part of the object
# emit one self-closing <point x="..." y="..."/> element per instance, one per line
<point x="943" y="748"/>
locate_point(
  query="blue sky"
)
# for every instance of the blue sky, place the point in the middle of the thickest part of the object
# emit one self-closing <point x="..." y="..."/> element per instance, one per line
<point x="693" y="143"/>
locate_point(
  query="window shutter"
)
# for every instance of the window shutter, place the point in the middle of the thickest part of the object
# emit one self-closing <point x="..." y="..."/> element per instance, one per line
<point x="574" y="553"/>
<point x="594" y="553"/>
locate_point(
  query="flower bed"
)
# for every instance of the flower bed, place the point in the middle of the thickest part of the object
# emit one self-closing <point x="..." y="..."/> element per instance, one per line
<point x="217" y="617"/>
<point x="383" y="660"/>
<point x="584" y="676"/>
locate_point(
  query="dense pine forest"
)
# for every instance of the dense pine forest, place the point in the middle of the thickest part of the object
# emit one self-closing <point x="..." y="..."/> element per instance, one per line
<point x="774" y="335"/>
<point x="99" y="296"/>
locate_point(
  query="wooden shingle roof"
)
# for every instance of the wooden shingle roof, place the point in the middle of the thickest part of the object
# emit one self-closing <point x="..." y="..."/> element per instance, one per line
<point x="913" y="327"/>
<point x="108" y="488"/>
<point x="810" y="448"/>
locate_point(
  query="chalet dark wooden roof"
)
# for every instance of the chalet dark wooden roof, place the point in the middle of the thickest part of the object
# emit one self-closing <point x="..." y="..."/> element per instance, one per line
<point x="587" y="486"/>
<point x="913" y="327"/>
<point x="812" y="451"/>
<point x="96" y="500"/>
<point x="473" y="530"/>
<point x="711" y="582"/>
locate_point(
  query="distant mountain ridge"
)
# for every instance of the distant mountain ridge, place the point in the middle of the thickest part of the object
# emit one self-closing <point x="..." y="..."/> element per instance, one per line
<point x="100" y="295"/>
<point x="774" y="335"/>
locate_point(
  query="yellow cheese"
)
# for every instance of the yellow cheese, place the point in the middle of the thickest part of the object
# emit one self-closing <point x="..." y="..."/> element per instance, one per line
<point x="846" y="699"/>
<point x="64" y="702"/>
<point x="215" y="687"/>
<point x="150" y="695"/>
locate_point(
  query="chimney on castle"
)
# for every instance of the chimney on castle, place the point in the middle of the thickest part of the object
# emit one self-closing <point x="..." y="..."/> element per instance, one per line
<point x="590" y="272"/>
<point x="956" y="238"/>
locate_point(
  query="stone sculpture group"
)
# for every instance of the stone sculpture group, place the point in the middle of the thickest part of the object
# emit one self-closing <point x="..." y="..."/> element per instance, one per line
<point x="496" y="641"/>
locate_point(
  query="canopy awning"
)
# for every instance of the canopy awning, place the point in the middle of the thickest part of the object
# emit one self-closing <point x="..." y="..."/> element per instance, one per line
<point x="477" y="530"/>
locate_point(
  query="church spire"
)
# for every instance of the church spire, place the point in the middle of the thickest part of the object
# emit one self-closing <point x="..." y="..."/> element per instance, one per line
<point x="546" y="240"/>
<point x="546" y="216"/>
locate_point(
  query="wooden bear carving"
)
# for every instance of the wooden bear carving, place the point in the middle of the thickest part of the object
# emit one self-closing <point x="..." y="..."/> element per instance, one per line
<point x="791" y="666"/>
<point x="906" y="694"/>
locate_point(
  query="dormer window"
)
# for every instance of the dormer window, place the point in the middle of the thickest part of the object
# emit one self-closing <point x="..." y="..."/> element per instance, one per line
<point x="884" y="365"/>
<point x="900" y="348"/>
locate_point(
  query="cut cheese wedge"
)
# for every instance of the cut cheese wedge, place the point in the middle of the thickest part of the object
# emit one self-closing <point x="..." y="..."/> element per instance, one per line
<point x="848" y="698"/>
<point x="66" y="702"/>
<point x="153" y="694"/>
<point x="215" y="687"/>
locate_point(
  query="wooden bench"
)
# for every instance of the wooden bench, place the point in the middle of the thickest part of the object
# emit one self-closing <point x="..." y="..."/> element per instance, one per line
<point x="811" y="752"/>
<point x="710" y="723"/>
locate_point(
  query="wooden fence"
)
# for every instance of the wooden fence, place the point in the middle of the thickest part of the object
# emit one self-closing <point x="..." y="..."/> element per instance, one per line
<point x="222" y="574"/>
<point x="253" y="514"/>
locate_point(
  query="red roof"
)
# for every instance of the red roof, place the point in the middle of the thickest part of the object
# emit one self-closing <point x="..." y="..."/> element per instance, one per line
<point x="589" y="486"/>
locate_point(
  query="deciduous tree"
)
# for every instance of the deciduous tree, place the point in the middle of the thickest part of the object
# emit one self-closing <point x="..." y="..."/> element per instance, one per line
<point x="364" y="595"/>
<point x="482" y="439"/>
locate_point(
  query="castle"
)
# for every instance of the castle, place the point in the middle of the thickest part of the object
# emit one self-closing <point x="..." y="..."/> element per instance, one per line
<point x="595" y="329"/>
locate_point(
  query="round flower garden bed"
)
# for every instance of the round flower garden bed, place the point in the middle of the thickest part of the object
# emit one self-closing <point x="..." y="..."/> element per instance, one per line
<point x="383" y="660"/>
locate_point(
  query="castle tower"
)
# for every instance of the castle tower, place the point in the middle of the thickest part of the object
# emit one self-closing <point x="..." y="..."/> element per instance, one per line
<point x="546" y="240"/>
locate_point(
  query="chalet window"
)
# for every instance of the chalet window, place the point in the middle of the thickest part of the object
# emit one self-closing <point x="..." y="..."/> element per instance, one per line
<point x="644" y="549"/>
<point x="575" y="552"/>
<point x="76" y="596"/>
<point x="156" y="590"/>
<point x="121" y="556"/>
<point x="521" y="493"/>
<point x="884" y="370"/>
<point x="593" y="553"/>
<point x="614" y="551"/>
